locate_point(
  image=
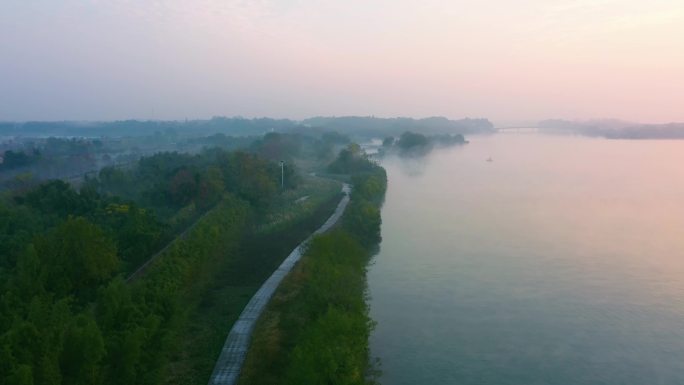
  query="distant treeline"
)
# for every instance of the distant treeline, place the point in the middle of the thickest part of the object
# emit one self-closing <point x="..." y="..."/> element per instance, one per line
<point x="124" y="128"/>
<point x="350" y="126"/>
<point x="35" y="151"/>
<point x="30" y="161"/>
<point x="615" y="129"/>
<point x="381" y="127"/>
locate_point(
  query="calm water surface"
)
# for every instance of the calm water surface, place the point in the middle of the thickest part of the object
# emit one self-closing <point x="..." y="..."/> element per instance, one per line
<point x="560" y="262"/>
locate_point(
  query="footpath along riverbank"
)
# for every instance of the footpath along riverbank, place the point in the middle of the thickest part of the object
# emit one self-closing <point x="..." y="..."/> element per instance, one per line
<point x="235" y="348"/>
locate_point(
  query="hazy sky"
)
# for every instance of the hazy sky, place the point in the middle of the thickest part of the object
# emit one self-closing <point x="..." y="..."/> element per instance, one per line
<point x="502" y="59"/>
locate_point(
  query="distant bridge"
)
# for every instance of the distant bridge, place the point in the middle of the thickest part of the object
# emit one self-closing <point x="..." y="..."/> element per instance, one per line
<point x="517" y="129"/>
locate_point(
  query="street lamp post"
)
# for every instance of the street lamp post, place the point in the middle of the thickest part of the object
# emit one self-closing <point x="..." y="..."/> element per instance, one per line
<point x="282" y="174"/>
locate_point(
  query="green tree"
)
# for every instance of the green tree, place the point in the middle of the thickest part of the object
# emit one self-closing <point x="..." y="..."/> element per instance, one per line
<point x="82" y="351"/>
<point x="211" y="186"/>
<point x="77" y="257"/>
<point x="21" y="375"/>
<point x="351" y="160"/>
<point x="59" y="198"/>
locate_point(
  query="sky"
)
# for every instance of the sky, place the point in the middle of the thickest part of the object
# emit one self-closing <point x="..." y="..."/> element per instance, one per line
<point x="504" y="60"/>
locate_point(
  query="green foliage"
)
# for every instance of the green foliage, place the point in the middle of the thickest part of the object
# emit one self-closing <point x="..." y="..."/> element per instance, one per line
<point x="17" y="226"/>
<point x="363" y="221"/>
<point x="220" y="293"/>
<point x="21" y="375"/>
<point x="170" y="181"/>
<point x="183" y="187"/>
<point x="362" y="218"/>
<point x="449" y="140"/>
<point x="411" y="143"/>
<point x="66" y="314"/>
<point x="115" y="181"/>
<point x="351" y="160"/>
<point x="250" y="177"/>
<point x="316" y="328"/>
<point x="58" y="198"/>
<point x="75" y="257"/>
<point x="82" y="350"/>
<point x="65" y="320"/>
<point x="332" y="351"/>
<point x="411" y="139"/>
<point x="16" y="159"/>
<point x="276" y="147"/>
<point x="415" y="144"/>
<point x="136" y="231"/>
<point x="370" y="186"/>
<point x="211" y="185"/>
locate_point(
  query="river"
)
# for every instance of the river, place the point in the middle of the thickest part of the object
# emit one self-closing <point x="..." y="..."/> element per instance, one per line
<point x="559" y="262"/>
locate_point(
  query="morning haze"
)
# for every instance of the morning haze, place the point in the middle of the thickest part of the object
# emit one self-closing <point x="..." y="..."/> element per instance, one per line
<point x="295" y="192"/>
<point x="508" y="61"/>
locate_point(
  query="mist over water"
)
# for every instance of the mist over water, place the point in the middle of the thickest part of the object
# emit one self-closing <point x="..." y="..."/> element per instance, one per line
<point x="559" y="262"/>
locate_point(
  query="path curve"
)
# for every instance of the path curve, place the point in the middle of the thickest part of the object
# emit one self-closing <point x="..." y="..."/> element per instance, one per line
<point x="228" y="366"/>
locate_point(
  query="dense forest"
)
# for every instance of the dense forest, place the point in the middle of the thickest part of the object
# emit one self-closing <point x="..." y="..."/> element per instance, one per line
<point x="71" y="312"/>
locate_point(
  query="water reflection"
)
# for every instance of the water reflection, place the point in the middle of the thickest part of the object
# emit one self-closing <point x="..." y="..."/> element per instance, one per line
<point x="415" y="165"/>
<point x="410" y="166"/>
<point x="560" y="262"/>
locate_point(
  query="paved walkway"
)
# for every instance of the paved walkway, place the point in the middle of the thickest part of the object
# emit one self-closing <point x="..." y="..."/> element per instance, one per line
<point x="229" y="363"/>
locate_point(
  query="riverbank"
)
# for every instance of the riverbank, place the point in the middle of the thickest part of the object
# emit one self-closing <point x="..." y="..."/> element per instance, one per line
<point x="235" y="347"/>
<point x="316" y="327"/>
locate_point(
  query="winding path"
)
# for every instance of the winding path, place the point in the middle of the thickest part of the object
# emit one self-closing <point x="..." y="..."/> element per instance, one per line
<point x="229" y="363"/>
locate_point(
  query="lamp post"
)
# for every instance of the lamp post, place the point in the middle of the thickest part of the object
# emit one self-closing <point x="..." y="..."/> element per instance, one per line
<point x="282" y="174"/>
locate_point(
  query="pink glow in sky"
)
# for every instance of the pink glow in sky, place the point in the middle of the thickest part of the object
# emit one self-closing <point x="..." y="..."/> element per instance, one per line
<point x="505" y="60"/>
